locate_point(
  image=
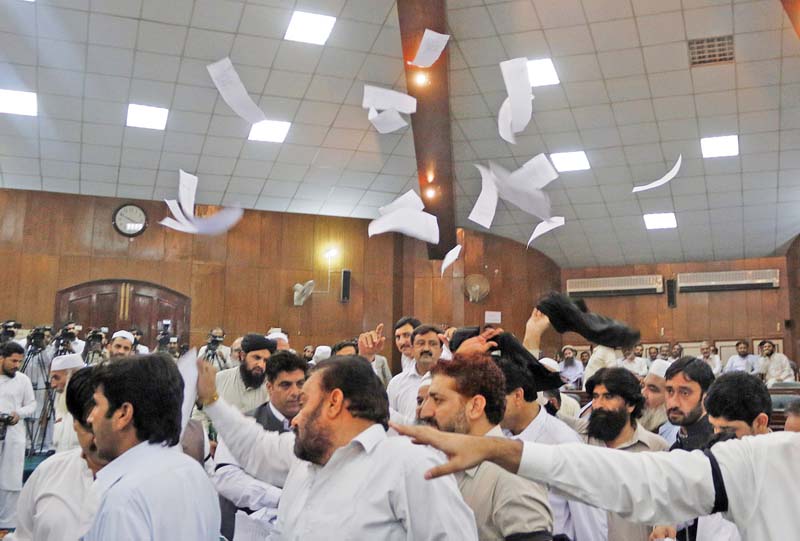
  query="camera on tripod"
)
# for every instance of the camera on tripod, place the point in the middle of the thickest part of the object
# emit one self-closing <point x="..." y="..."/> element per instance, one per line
<point x="214" y="342"/>
<point x="163" y="337"/>
<point x="9" y="330"/>
<point x="5" y="422"/>
<point x="37" y="337"/>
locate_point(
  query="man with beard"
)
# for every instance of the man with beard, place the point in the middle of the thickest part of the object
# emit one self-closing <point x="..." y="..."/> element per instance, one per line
<point x="61" y="370"/>
<point x="402" y="340"/>
<point x="743" y="361"/>
<point x="50" y="504"/>
<point x="654" y="389"/>
<point x="308" y="353"/>
<point x="630" y="362"/>
<point x="120" y="345"/>
<point x="149" y="489"/>
<point x="286" y="373"/>
<point x="571" y="370"/>
<point x="774" y="367"/>
<point x="338" y="451"/>
<point x="17" y="402"/>
<point x="426" y="350"/>
<point x="676" y="352"/>
<point x="243" y="387"/>
<point x="467" y="396"/>
<point x="526" y="420"/>
<point x="652" y="355"/>
<point x="617" y="404"/>
<point x="710" y="359"/>
<point x="663" y="352"/>
<point x="688" y="380"/>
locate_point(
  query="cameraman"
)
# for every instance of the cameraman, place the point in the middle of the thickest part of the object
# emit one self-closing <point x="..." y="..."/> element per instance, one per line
<point x="16" y="402"/>
<point x="67" y="341"/>
<point x="215" y="352"/>
<point x="95" y="350"/>
<point x="139" y="348"/>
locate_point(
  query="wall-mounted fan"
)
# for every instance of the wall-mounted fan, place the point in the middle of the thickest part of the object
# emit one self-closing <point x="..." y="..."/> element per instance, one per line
<point x="302" y="292"/>
<point x="476" y="287"/>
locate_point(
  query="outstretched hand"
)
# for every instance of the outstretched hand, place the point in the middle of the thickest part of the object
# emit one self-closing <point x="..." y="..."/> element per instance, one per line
<point x="534" y="329"/>
<point x="371" y="342"/>
<point x="479" y="344"/>
<point x="206" y="381"/>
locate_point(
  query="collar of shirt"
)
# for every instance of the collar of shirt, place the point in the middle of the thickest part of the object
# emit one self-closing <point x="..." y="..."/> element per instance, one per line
<point x="278" y="415"/>
<point x="368" y="440"/>
<point x="533" y="431"/>
<point x="495" y="432"/>
<point x="133" y="459"/>
<point x="638" y="437"/>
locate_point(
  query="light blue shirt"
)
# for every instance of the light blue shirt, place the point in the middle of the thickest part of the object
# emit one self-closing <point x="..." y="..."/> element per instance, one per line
<point x="154" y="493"/>
<point x="737" y="363"/>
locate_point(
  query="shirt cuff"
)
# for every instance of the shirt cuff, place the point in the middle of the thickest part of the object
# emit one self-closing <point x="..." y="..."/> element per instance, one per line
<point x="537" y="462"/>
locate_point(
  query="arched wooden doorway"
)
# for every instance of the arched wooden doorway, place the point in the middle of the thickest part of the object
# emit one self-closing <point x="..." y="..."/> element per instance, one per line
<point x="124" y="304"/>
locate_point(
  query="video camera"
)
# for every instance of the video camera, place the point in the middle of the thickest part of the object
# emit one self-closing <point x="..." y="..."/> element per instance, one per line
<point x="63" y="340"/>
<point x="9" y="330"/>
<point x="36" y="338"/>
<point x="163" y="337"/>
<point x="214" y="342"/>
<point x="5" y="422"/>
<point x="96" y="338"/>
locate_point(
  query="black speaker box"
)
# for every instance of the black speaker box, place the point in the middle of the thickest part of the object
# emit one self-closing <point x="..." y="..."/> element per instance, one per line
<point x="672" y="293"/>
<point x="345" y="296"/>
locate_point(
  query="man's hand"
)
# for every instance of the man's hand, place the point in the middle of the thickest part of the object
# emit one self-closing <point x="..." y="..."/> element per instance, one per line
<point x="371" y="342"/>
<point x="479" y="344"/>
<point x="663" y="532"/>
<point x="14" y="418"/>
<point x="534" y="329"/>
<point x="464" y="452"/>
<point x="206" y="382"/>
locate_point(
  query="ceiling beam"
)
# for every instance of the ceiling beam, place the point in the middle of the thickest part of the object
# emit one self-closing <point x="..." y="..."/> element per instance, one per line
<point x="431" y="122"/>
<point x="792" y="8"/>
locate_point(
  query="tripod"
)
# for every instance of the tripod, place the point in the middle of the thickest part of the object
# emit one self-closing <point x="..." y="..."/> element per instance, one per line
<point x="217" y="361"/>
<point x="36" y="367"/>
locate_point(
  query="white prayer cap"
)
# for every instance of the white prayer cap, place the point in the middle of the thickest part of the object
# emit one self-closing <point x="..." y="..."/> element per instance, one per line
<point x="321" y="353"/>
<point x="550" y="364"/>
<point x="659" y="368"/>
<point x="123" y="334"/>
<point x="278" y="335"/>
<point x="426" y="379"/>
<point x="67" y="362"/>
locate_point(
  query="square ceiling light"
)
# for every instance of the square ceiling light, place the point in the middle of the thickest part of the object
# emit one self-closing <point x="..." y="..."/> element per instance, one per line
<point x="270" y="131"/>
<point x="664" y="220"/>
<point x="144" y="116"/>
<point x="309" y="28"/>
<point x="719" y="147"/>
<point x="542" y="72"/>
<point x="17" y="102"/>
<point x="570" y="161"/>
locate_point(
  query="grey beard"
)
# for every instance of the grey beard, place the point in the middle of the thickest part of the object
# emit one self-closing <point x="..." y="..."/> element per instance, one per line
<point x="652" y="419"/>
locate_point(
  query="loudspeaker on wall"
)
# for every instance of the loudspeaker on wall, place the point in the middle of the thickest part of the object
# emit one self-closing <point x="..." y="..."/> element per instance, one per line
<point x="345" y="295"/>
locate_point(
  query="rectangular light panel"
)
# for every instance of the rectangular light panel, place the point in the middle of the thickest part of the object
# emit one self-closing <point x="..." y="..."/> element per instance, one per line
<point x="309" y="28"/>
<point x="17" y="102"/>
<point x="144" y="116"/>
<point x="270" y="131"/>
<point x="719" y="147"/>
<point x="570" y="161"/>
<point x="542" y="72"/>
<point x="664" y="220"/>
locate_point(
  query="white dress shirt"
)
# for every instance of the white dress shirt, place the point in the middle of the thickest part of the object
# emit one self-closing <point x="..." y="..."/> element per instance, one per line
<point x="16" y="395"/>
<point x="572" y="373"/>
<point x="402" y="392"/>
<point x="141" y="349"/>
<point x="372" y="488"/>
<point x="64" y="436"/>
<point x="154" y="493"/>
<point x="50" y="503"/>
<point x="223" y="360"/>
<point x="637" y="365"/>
<point x="714" y="363"/>
<point x="776" y="369"/>
<point x="716" y="528"/>
<point x="741" y="364"/>
<point x="406" y="362"/>
<point x="760" y="475"/>
<point x="602" y="357"/>
<point x="572" y="518"/>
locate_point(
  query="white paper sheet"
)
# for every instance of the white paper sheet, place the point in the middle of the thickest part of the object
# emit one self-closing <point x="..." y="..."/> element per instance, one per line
<point x="409" y="222"/>
<point x="520" y="95"/>
<point x="178" y="226"/>
<point x="232" y="90"/>
<point x="187" y="366"/>
<point x="386" y="122"/>
<point x="485" y="207"/>
<point x="430" y="48"/>
<point x="178" y="213"/>
<point x="521" y="194"/>
<point x="504" y="122"/>
<point x="451" y="257"/>
<point x="663" y="180"/>
<point x="537" y="173"/>
<point x="546" y="226"/>
<point x="183" y="218"/>
<point x="220" y="222"/>
<point x="409" y="200"/>
<point x="187" y="188"/>
<point x="382" y="99"/>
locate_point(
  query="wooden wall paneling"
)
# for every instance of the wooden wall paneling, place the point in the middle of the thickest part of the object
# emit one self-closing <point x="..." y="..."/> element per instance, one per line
<point x="270" y="295"/>
<point x="738" y="312"/>
<point x="10" y="284"/>
<point x="38" y="276"/>
<point x="121" y="268"/>
<point x="208" y="296"/>
<point x="644" y="315"/>
<point x="721" y="321"/>
<point x="379" y="255"/>
<point x="177" y="275"/>
<point x="442" y="299"/>
<point x="378" y="303"/>
<point x="105" y="240"/>
<point x="75" y="230"/>
<point x="297" y="242"/>
<point x="696" y="308"/>
<point x="296" y="319"/>
<point x="74" y="270"/>
<point x="240" y="309"/>
<point x="210" y="249"/>
<point x="271" y="239"/>
<point x="177" y="245"/>
<point x="756" y="325"/>
<point x="43" y="223"/>
<point x="423" y="298"/>
<point x="152" y="243"/>
<point x="244" y="241"/>
<point x="347" y="237"/>
<point x="771" y="319"/>
<point x="13" y="205"/>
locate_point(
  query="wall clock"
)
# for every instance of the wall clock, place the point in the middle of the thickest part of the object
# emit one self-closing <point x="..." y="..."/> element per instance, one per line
<point x="129" y="220"/>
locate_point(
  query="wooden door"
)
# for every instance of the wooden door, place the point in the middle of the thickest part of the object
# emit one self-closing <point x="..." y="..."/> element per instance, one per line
<point x="124" y="304"/>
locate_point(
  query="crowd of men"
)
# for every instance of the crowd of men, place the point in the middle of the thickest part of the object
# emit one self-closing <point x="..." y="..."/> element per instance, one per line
<point x="256" y="441"/>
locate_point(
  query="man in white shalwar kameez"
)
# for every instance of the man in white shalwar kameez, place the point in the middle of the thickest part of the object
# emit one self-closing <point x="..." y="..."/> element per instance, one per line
<point x="61" y="370"/>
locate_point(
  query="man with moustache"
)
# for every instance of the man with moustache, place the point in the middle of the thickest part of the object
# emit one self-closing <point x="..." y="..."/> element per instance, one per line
<point x="710" y="359"/>
<point x="339" y="451"/>
<point x="688" y="380"/>
<point x="402" y="340"/>
<point x="652" y="355"/>
<point x="426" y="350"/>
<point x="50" y="503"/>
<point x="654" y="389"/>
<point x="774" y="367"/>
<point x="664" y="352"/>
<point x="743" y="361"/>
<point x="286" y="373"/>
<point x="61" y="370"/>
<point x="571" y="370"/>
<point x="676" y="352"/>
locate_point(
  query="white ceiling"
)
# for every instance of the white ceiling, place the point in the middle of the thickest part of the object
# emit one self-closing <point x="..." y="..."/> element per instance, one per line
<point x="627" y="97"/>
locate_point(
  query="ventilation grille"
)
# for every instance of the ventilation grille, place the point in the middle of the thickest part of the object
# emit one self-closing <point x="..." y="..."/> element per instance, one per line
<point x="612" y="287"/>
<point x="706" y="51"/>
<point x="729" y="280"/>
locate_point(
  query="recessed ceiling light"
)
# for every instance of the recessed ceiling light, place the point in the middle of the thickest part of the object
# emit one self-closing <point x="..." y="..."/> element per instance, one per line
<point x="542" y="72"/>
<point x="309" y="28"/>
<point x="17" y="102"/>
<point x="718" y="147"/>
<point x="144" y="116"/>
<point x="570" y="161"/>
<point x="270" y="131"/>
<point x="664" y="220"/>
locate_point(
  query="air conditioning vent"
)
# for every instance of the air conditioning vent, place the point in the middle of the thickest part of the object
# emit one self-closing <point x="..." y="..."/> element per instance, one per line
<point x="728" y="280"/>
<point x="715" y="50"/>
<point x="616" y="286"/>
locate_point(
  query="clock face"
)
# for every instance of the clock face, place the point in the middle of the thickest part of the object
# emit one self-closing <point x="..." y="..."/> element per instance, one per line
<point x="130" y="220"/>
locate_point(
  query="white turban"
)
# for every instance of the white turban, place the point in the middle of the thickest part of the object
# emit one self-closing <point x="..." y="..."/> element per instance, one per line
<point x="67" y="362"/>
<point x="659" y="368"/>
<point x="278" y="336"/>
<point x="321" y="353"/>
<point x="123" y="334"/>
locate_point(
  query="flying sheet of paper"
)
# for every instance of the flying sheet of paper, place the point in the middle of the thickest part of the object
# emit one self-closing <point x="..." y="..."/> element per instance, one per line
<point x="663" y="180"/>
<point x="187" y="366"/>
<point x="412" y="223"/>
<point x="382" y="99"/>
<point x="485" y="207"/>
<point x="232" y="90"/>
<point x="183" y="218"/>
<point x="387" y="121"/>
<point x="536" y="173"/>
<point x="520" y="95"/>
<point x="220" y="222"/>
<point x="430" y="48"/>
<point x="451" y="257"/>
<point x="521" y="194"/>
<point x="546" y="226"/>
<point x="409" y="200"/>
<point x="187" y="188"/>
<point x="504" y="122"/>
